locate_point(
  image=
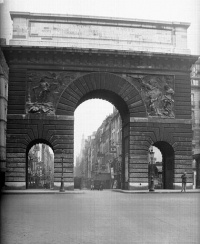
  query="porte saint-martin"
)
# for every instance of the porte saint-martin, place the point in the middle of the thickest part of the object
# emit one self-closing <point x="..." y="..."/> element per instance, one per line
<point x="56" y="62"/>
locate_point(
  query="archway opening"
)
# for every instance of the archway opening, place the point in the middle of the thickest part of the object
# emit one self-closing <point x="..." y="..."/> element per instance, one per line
<point x="118" y="90"/>
<point x="110" y="97"/>
<point x="97" y="144"/>
<point x="40" y="166"/>
<point x="163" y="165"/>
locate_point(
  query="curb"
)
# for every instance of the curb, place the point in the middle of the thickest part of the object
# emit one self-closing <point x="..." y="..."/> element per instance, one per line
<point x="24" y="192"/>
<point x="154" y="192"/>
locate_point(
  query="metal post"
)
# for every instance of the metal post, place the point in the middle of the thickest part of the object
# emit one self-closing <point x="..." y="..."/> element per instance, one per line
<point x="151" y="188"/>
<point x="62" y="189"/>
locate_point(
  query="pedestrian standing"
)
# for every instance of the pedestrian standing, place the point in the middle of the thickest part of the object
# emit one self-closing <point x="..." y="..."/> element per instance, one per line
<point x="92" y="185"/>
<point x="101" y="186"/>
<point x="184" y="181"/>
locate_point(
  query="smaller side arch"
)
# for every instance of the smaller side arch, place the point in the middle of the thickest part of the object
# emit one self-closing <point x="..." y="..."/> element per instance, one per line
<point x="39" y="165"/>
<point x="37" y="141"/>
<point x="168" y="161"/>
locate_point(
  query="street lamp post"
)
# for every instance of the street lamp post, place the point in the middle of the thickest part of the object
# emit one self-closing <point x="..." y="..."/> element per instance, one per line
<point x="120" y="171"/>
<point x="151" y="188"/>
<point x="62" y="189"/>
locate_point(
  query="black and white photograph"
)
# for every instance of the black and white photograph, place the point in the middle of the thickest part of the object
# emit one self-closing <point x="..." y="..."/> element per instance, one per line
<point x="100" y="121"/>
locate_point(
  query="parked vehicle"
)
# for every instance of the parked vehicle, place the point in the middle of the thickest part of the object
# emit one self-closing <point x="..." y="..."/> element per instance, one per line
<point x="101" y="186"/>
<point x="98" y="185"/>
<point x="92" y="185"/>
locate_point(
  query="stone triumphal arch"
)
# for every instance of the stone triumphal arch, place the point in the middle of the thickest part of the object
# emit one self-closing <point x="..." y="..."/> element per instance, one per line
<point x="146" y="76"/>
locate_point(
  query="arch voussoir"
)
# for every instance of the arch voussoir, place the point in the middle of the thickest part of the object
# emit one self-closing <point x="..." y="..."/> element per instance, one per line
<point x="99" y="81"/>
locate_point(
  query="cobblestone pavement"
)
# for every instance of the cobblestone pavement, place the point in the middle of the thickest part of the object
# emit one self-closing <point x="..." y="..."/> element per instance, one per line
<point x="99" y="217"/>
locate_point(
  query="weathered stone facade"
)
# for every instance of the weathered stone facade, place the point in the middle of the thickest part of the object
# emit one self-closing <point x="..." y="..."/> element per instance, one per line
<point x="32" y="29"/>
<point x="117" y="77"/>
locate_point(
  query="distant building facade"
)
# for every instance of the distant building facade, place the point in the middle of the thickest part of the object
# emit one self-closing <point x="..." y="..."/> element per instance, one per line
<point x="40" y="167"/>
<point x="100" y="156"/>
<point x="3" y="114"/>
<point x="116" y="148"/>
<point x="195" y="99"/>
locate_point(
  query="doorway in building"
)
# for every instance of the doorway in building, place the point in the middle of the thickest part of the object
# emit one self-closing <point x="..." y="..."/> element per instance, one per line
<point x="163" y="161"/>
<point x="40" y="167"/>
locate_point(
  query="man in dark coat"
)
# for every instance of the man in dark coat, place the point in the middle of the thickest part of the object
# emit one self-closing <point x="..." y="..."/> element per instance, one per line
<point x="184" y="181"/>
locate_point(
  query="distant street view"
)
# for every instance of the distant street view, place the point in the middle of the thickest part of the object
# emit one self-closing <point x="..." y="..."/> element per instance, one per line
<point x="40" y="167"/>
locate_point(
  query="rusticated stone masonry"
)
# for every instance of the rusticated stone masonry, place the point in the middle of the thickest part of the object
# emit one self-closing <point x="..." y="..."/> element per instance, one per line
<point x="151" y="92"/>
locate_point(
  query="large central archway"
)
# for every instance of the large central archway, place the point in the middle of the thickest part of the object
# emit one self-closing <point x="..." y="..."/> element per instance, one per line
<point x="114" y="89"/>
<point x="108" y="86"/>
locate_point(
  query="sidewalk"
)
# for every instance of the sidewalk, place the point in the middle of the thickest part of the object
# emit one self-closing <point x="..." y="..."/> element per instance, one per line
<point x="157" y="191"/>
<point x="40" y="191"/>
<point x="76" y="191"/>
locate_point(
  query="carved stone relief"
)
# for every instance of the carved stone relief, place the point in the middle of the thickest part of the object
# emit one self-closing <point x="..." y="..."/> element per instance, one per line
<point x="3" y="66"/>
<point x="45" y="88"/>
<point x="157" y="92"/>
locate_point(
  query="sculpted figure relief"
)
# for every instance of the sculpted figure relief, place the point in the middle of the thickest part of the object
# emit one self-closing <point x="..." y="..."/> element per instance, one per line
<point x="157" y="94"/>
<point x="45" y="89"/>
<point x="168" y="101"/>
<point x="42" y="91"/>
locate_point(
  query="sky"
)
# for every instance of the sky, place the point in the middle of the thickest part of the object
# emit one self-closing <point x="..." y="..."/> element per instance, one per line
<point x="88" y="117"/>
<point x="166" y="10"/>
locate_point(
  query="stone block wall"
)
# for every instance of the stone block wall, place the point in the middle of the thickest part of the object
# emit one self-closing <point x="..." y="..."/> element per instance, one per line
<point x="25" y="130"/>
<point x="144" y="134"/>
<point x="3" y="114"/>
<point x="120" y="78"/>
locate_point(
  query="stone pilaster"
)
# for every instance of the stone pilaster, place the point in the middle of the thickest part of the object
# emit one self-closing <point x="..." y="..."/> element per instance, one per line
<point x="3" y="114"/>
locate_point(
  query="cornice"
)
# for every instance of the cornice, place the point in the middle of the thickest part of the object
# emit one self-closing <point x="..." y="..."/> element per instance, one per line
<point x="39" y="116"/>
<point x="98" y="58"/>
<point x="97" y="20"/>
<point x="160" y="120"/>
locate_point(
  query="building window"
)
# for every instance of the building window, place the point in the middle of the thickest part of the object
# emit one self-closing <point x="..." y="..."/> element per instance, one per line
<point x="193" y="117"/>
<point x="195" y="82"/>
<point x="192" y="99"/>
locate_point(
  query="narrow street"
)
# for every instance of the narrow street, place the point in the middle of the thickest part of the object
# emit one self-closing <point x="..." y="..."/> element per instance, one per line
<point x="99" y="217"/>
